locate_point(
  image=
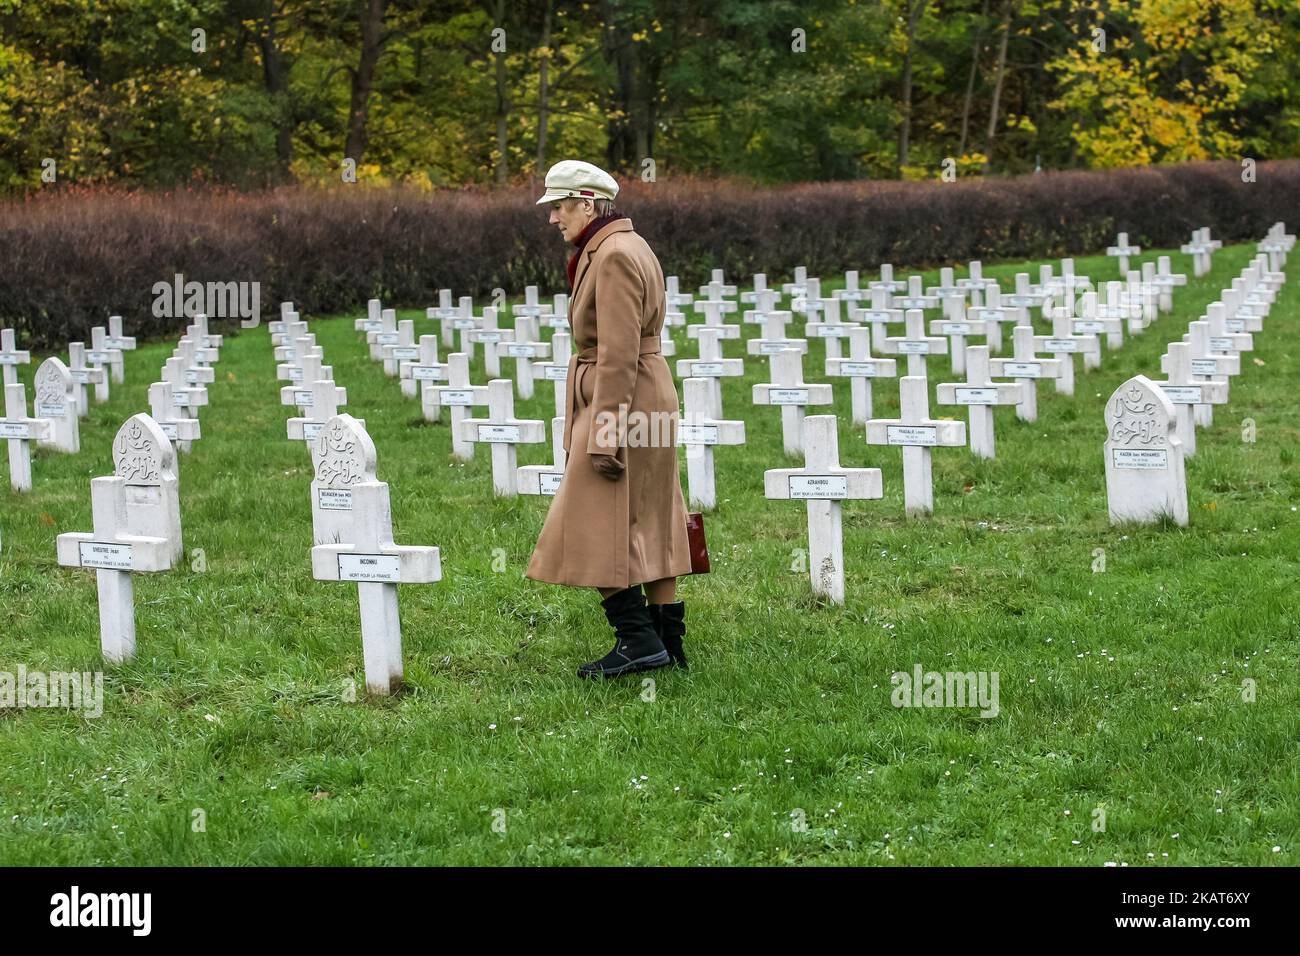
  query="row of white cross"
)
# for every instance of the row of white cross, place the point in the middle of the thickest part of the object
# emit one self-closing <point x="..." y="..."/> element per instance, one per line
<point x="1151" y="425"/>
<point x="60" y="393"/>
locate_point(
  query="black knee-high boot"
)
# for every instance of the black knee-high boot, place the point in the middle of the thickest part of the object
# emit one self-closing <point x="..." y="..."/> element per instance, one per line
<point x="670" y="622"/>
<point x="637" y="646"/>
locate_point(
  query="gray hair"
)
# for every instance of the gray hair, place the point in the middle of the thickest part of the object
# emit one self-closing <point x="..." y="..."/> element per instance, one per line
<point x="603" y="207"/>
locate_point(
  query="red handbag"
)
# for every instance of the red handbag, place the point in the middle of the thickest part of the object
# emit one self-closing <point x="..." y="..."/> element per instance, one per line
<point x="695" y="540"/>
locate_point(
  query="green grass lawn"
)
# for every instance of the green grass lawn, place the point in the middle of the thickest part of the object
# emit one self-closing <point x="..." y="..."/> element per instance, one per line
<point x="1120" y="690"/>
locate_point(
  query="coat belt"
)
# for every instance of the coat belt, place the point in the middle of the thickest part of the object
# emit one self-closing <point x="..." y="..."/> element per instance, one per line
<point x="650" y="345"/>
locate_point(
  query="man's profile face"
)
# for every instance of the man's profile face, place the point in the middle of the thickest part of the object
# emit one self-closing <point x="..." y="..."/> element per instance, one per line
<point x="571" y="217"/>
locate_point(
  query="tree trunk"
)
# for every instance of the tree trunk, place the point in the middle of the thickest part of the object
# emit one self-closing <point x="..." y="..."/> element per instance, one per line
<point x="970" y="79"/>
<point x="543" y="90"/>
<point x="1008" y="9"/>
<point x="503" y="101"/>
<point x="273" y="75"/>
<point x="905" y="127"/>
<point x="363" y="78"/>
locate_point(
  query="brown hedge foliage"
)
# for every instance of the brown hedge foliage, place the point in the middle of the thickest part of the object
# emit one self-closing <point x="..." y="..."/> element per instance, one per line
<point x="71" y="257"/>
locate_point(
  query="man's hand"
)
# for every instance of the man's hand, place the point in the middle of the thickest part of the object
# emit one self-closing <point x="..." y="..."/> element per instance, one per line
<point x="607" y="466"/>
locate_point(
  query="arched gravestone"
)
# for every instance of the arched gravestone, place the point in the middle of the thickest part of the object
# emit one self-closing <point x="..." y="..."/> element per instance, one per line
<point x="343" y="455"/>
<point x="1145" y="479"/>
<point x="143" y="458"/>
<point x="56" y="400"/>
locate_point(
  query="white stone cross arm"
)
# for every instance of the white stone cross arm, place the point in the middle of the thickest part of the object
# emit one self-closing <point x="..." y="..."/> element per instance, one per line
<point x="700" y="432"/>
<point x="174" y="424"/>
<point x="917" y="434"/>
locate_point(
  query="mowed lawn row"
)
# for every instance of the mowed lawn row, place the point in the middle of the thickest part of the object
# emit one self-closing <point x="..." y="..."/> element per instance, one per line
<point x="1146" y="675"/>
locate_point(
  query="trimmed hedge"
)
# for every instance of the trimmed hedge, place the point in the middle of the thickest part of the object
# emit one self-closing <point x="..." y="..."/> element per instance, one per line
<point x="71" y="257"/>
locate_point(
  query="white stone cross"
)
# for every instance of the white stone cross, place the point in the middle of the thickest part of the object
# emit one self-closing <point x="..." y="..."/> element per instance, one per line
<point x="417" y="373"/>
<point x="443" y="313"/>
<point x="914" y="343"/>
<point x="1026" y="366"/>
<point x="887" y="283"/>
<point x="1201" y="248"/>
<point x="717" y="287"/>
<point x="824" y="484"/>
<point x="122" y="343"/>
<point x="1063" y="342"/>
<point x="399" y="350"/>
<point x="1205" y="361"/>
<point x="276" y="327"/>
<point x="713" y="311"/>
<point x="712" y="366"/>
<point x="1026" y="297"/>
<point x="56" y="401"/>
<point x="343" y="453"/>
<point x="672" y="293"/>
<point x="137" y="529"/>
<point x="83" y="376"/>
<point x="322" y="401"/>
<point x="773" y="338"/>
<point x="788" y="390"/>
<point x="545" y="479"/>
<point x="524" y="346"/>
<point x="20" y="431"/>
<point x="557" y="316"/>
<point x="956" y="325"/>
<point x="187" y="395"/>
<point x="101" y="341"/>
<point x="993" y="312"/>
<point x="1166" y="280"/>
<point x="917" y="433"/>
<point x="1220" y="337"/>
<point x="761" y="293"/>
<point x="460" y="396"/>
<point x="1185" y="391"/>
<point x="100" y="357"/>
<point x="180" y="429"/>
<point x="975" y="285"/>
<point x="556" y="371"/>
<point x="293" y="358"/>
<point x="503" y="432"/>
<point x="828" y="327"/>
<point x="851" y="293"/>
<point x="764" y="302"/>
<point x="860" y="368"/>
<point x="385" y="335"/>
<point x="374" y="320"/>
<point x="11" y="357"/>
<point x="531" y="306"/>
<point x="979" y="393"/>
<point x="879" y="314"/>
<point x="800" y="284"/>
<point x="948" y="288"/>
<point x="1092" y="321"/>
<point x="1145" y="477"/>
<point x="199" y="330"/>
<point x="1122" y="250"/>
<point x="699" y="431"/>
<point x="490" y="334"/>
<point x="914" y="298"/>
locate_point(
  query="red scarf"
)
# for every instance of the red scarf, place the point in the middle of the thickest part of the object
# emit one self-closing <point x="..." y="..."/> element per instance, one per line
<point x="593" y="227"/>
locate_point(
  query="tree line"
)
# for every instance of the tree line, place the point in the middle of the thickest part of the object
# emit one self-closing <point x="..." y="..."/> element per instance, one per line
<point x="253" y="93"/>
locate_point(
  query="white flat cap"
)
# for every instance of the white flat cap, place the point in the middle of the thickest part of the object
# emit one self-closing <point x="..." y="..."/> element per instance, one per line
<point x="572" y="178"/>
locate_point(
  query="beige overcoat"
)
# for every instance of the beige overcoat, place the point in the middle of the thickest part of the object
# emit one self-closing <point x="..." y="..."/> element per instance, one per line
<point x="598" y="532"/>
